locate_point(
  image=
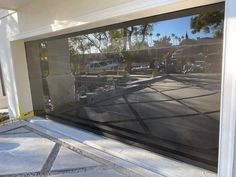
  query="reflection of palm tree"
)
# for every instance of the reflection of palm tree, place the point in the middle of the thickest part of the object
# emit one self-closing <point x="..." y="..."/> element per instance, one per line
<point x="173" y="37"/>
<point x="158" y="36"/>
<point x="179" y="39"/>
<point x="176" y="39"/>
<point x="151" y="39"/>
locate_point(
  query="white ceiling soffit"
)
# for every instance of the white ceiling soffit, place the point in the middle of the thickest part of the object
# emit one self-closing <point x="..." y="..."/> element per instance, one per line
<point x="12" y="4"/>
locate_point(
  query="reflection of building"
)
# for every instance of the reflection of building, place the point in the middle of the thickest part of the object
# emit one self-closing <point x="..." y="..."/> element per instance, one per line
<point x="204" y="54"/>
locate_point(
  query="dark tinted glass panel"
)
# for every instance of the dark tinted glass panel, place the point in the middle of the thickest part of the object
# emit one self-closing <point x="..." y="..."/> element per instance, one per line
<point x="153" y="82"/>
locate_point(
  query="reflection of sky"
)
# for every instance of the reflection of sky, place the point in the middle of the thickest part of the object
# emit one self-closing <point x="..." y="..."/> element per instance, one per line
<point x="179" y="27"/>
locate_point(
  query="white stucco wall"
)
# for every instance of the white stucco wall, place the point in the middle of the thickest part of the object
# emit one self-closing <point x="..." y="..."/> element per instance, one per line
<point x="7" y="28"/>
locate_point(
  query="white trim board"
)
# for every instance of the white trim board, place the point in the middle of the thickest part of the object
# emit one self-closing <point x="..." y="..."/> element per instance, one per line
<point x="117" y="14"/>
<point x="227" y="139"/>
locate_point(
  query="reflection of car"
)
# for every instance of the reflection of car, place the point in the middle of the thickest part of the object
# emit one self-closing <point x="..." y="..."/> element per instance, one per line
<point x="98" y="66"/>
<point x="140" y="67"/>
<point x="193" y="68"/>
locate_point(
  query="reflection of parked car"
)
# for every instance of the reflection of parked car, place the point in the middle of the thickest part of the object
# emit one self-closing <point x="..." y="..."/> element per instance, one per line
<point x="192" y="68"/>
<point x="99" y="66"/>
<point x="139" y="66"/>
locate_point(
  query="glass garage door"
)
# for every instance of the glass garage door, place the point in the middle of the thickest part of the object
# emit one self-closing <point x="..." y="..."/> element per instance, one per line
<point x="153" y="82"/>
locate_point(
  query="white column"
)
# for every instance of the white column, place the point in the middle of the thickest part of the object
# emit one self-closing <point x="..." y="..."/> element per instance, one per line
<point x="7" y="68"/>
<point x="21" y="82"/>
<point x="227" y="144"/>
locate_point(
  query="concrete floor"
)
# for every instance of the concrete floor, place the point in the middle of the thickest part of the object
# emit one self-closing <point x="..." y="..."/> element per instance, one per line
<point x="26" y="153"/>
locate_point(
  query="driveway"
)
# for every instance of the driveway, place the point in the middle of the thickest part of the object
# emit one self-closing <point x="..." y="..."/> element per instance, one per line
<point x="24" y="152"/>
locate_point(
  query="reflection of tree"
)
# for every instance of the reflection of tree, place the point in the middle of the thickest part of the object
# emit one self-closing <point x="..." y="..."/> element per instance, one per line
<point x="173" y="37"/>
<point x="78" y="46"/>
<point x="118" y="41"/>
<point x="145" y="30"/>
<point x="98" y="40"/>
<point x="208" y="22"/>
<point x="165" y="50"/>
<point x="158" y="36"/>
<point x="136" y="37"/>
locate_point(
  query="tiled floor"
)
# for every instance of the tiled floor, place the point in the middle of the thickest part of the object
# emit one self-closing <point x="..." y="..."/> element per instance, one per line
<point x="138" y="159"/>
<point x="25" y="153"/>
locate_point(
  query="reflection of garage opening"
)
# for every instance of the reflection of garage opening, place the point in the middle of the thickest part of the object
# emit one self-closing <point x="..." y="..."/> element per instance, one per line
<point x="138" y="82"/>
